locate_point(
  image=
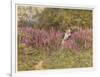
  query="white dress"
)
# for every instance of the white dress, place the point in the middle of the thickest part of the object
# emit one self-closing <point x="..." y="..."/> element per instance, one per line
<point x="67" y="34"/>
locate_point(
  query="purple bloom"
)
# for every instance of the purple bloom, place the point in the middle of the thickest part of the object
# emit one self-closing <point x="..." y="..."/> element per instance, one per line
<point x="79" y="40"/>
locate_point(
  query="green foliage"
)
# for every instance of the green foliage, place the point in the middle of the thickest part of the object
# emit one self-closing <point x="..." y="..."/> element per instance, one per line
<point x="59" y="18"/>
<point x="62" y="58"/>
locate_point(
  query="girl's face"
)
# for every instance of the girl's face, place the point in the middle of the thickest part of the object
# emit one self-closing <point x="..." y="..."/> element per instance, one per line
<point x="68" y="31"/>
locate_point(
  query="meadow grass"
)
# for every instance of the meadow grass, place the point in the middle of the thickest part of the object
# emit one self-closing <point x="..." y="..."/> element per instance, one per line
<point x="58" y="59"/>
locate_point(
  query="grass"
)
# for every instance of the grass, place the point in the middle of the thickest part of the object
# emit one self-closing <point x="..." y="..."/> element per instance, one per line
<point x="41" y="58"/>
<point x="41" y="49"/>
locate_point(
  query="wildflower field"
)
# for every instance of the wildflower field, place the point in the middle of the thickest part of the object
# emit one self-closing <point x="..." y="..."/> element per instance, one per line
<point x="40" y="32"/>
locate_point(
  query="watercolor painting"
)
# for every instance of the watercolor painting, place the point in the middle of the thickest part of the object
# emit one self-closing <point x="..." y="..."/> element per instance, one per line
<point x="53" y="38"/>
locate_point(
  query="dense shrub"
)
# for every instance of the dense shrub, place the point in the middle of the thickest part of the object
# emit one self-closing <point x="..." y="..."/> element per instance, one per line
<point x="79" y="40"/>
